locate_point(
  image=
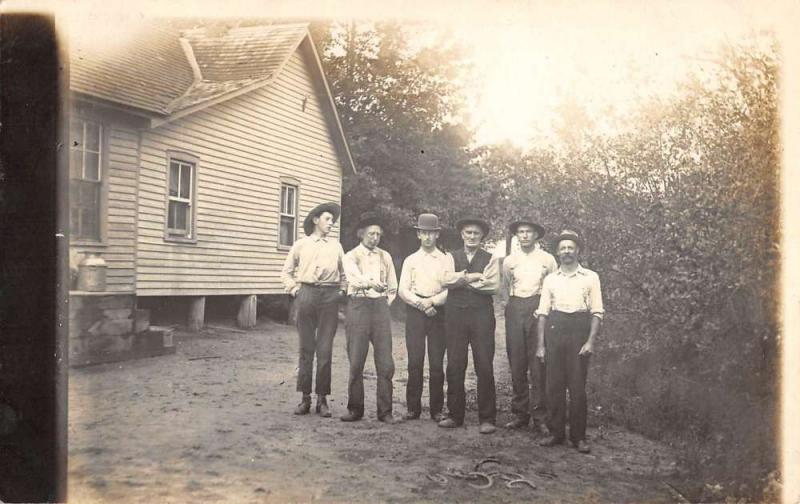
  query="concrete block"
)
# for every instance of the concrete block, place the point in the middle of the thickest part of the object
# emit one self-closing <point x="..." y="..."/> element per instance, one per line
<point x="141" y="320"/>
<point x="110" y="327"/>
<point x="118" y="313"/>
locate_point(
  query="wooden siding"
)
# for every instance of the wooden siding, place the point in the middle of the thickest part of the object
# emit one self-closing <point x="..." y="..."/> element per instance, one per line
<point x="118" y="249"/>
<point x="244" y="146"/>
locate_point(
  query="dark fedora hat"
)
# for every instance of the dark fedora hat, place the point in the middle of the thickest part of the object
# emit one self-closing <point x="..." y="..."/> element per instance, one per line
<point x="369" y="219"/>
<point x="428" y="222"/>
<point x="330" y="207"/>
<point x="473" y="220"/>
<point x="568" y="235"/>
<point x="512" y="228"/>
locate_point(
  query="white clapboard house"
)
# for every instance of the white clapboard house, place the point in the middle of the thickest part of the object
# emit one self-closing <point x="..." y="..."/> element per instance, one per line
<point x="195" y="153"/>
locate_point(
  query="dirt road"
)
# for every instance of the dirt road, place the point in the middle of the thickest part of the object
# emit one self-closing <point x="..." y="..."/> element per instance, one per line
<point x="214" y="423"/>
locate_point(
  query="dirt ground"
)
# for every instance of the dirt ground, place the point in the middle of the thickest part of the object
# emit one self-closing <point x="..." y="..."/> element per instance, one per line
<point x="214" y="423"/>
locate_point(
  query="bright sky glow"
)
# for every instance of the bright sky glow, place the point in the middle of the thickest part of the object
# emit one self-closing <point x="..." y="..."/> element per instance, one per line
<point x="528" y="67"/>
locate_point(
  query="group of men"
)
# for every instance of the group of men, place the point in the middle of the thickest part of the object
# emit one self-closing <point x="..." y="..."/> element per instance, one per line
<point x="552" y="317"/>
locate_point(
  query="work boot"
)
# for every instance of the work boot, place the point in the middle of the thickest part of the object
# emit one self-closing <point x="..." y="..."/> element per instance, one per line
<point x="322" y="407"/>
<point x="487" y="428"/>
<point x="438" y="417"/>
<point x="449" y="423"/>
<point x="583" y="446"/>
<point x="517" y="423"/>
<point x="351" y="416"/>
<point x="304" y="407"/>
<point x="411" y="415"/>
<point x="388" y="419"/>
<point x="539" y="429"/>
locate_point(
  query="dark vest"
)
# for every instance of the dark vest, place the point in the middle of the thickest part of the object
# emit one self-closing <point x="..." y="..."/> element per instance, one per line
<point x="465" y="296"/>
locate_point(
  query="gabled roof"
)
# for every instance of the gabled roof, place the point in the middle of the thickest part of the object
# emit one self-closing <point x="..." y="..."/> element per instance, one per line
<point x="167" y="73"/>
<point x="147" y="71"/>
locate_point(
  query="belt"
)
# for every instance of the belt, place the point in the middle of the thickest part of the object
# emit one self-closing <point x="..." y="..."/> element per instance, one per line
<point x="562" y="313"/>
<point x="356" y="296"/>
<point x="320" y="285"/>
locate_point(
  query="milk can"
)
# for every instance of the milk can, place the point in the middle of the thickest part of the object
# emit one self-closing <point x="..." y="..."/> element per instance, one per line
<point x="92" y="273"/>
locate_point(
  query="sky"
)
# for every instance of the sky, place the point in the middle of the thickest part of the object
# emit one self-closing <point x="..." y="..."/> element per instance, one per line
<point x="529" y="56"/>
<point x="607" y="61"/>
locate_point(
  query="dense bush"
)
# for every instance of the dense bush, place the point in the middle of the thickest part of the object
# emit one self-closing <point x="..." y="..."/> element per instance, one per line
<point x="680" y="216"/>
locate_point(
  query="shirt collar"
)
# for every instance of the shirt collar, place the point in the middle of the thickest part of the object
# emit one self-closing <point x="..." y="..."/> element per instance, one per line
<point x="317" y="238"/>
<point x="435" y="253"/>
<point x="577" y="271"/>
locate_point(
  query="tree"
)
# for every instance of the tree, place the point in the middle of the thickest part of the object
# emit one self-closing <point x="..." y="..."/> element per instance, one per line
<point x="400" y="104"/>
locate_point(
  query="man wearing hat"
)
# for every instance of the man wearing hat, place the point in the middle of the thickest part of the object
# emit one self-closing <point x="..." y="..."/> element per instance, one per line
<point x="313" y="273"/>
<point x="422" y="289"/>
<point x="371" y="287"/>
<point x="523" y="274"/>
<point x="472" y="278"/>
<point x="570" y="313"/>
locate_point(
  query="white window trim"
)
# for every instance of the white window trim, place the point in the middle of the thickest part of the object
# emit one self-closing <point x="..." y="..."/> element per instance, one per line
<point x="295" y="184"/>
<point x="101" y="170"/>
<point x="179" y="235"/>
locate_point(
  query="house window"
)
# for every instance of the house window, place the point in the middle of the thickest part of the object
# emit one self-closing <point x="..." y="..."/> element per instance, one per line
<point x="86" y="179"/>
<point x="288" y="215"/>
<point x="180" y="199"/>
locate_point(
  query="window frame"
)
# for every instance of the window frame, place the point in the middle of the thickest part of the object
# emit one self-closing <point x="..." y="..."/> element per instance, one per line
<point x="295" y="184"/>
<point x="193" y="161"/>
<point x="103" y="182"/>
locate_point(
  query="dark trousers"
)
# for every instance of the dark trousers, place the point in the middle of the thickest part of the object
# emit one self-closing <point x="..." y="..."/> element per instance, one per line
<point x="473" y="326"/>
<point x="565" y="334"/>
<point x="528" y="376"/>
<point x="420" y="327"/>
<point x="317" y="318"/>
<point x="368" y="321"/>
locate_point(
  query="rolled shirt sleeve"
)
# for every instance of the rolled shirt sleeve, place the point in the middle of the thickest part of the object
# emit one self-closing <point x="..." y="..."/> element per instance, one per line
<point x="491" y="278"/>
<point x="449" y="276"/>
<point x="404" y="288"/>
<point x="545" y="301"/>
<point x="289" y="268"/>
<point x="596" y="297"/>
<point x="391" y="279"/>
<point x="354" y="277"/>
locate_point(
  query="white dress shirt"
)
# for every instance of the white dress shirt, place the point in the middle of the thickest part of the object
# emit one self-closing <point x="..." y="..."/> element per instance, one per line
<point x="363" y="266"/>
<point x="574" y="292"/>
<point x="523" y="273"/>
<point x="423" y="276"/>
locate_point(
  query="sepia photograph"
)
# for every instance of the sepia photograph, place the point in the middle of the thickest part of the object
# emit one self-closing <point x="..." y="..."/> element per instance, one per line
<point x="480" y="252"/>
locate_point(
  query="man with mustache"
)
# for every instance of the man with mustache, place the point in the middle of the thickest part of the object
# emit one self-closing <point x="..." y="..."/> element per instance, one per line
<point x="371" y="287"/>
<point x="313" y="273"/>
<point x="472" y="278"/>
<point x="422" y="289"/>
<point x="523" y="274"/>
<point x="570" y="314"/>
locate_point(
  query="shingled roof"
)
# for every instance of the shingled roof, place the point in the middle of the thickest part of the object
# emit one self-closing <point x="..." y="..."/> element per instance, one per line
<point x="164" y="70"/>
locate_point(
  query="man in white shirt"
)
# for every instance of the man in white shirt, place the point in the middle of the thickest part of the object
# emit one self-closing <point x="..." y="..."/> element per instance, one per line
<point x="570" y="314"/>
<point x="371" y="288"/>
<point x="523" y="274"/>
<point x="422" y="289"/>
<point x="313" y="274"/>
